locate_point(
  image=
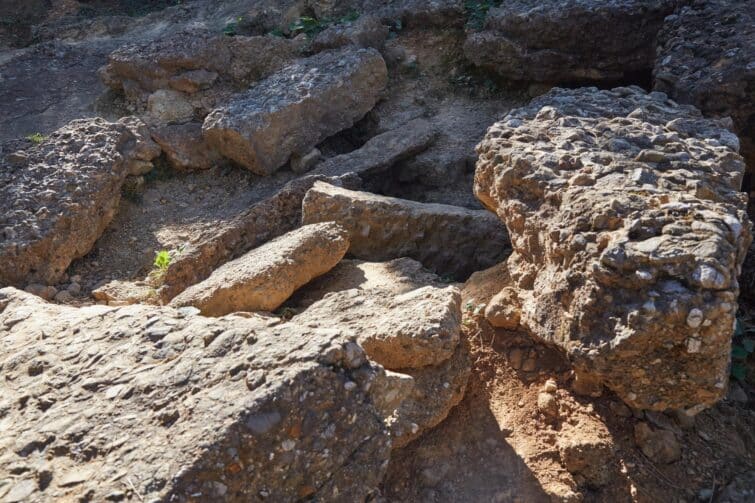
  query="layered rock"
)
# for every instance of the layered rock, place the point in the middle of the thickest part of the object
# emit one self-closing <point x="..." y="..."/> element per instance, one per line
<point x="447" y="239"/>
<point x="57" y="197"/>
<point x="296" y="108"/>
<point x="184" y="147"/>
<point x="629" y="231"/>
<point x="197" y="68"/>
<point x="264" y="278"/>
<point x="147" y="403"/>
<point x="560" y="42"/>
<point x="705" y="57"/>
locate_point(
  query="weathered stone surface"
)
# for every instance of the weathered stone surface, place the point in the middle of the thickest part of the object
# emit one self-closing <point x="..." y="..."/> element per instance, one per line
<point x="201" y="67"/>
<point x="366" y="31"/>
<point x="57" y="197"/>
<point x="296" y="108"/>
<point x="125" y="293"/>
<point x="437" y="389"/>
<point x="706" y="57"/>
<point x="147" y="403"/>
<point x="659" y="445"/>
<point x="628" y="232"/>
<point x="273" y="216"/>
<point x="382" y="151"/>
<point x="185" y="147"/>
<point x="447" y="239"/>
<point x="265" y="277"/>
<point x="559" y="41"/>
<point x="408" y="330"/>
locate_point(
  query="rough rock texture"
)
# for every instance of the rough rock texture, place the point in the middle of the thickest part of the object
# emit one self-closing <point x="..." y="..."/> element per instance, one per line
<point x="124" y="293"/>
<point x="201" y="67"/>
<point x="367" y="31"/>
<point x="56" y="198"/>
<point x="265" y="277"/>
<point x="447" y="239"/>
<point x="628" y="232"/>
<point x="382" y="151"/>
<point x="143" y="403"/>
<point x="409" y="330"/>
<point x="706" y="57"/>
<point x="184" y="146"/>
<point x="563" y="41"/>
<point x="296" y="108"/>
<point x="272" y="217"/>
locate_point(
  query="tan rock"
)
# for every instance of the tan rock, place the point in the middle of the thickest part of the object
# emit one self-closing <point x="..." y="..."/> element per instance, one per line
<point x="503" y="310"/>
<point x="658" y="445"/>
<point x="184" y="146"/>
<point x="447" y="239"/>
<point x="123" y="293"/>
<point x="587" y="449"/>
<point x="265" y="277"/>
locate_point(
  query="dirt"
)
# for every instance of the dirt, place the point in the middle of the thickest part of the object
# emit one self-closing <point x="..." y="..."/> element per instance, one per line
<point x="497" y="446"/>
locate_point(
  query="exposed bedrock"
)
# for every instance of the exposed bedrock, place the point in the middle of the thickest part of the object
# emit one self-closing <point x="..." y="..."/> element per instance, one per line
<point x="706" y="57"/>
<point x="179" y="407"/>
<point x="629" y="231"/>
<point x="557" y="41"/>
<point x="57" y="197"/>
<point x="449" y="240"/>
<point x="296" y="108"/>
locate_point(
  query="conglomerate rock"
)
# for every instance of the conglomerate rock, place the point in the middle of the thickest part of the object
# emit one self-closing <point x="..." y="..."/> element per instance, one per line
<point x="629" y="231"/>
<point x="201" y="68"/>
<point x="57" y="197"/>
<point x="706" y="58"/>
<point x="564" y="41"/>
<point x="143" y="403"/>
<point x="296" y="108"/>
<point x="446" y="239"/>
<point x="264" y="278"/>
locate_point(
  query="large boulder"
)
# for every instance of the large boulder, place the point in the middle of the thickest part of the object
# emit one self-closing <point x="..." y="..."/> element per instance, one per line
<point x="447" y="239"/>
<point x="57" y="197"/>
<point x="296" y="108"/>
<point x="156" y="404"/>
<point x="557" y="41"/>
<point x="706" y="57"/>
<point x="264" y="278"/>
<point x="196" y="67"/>
<point x="629" y="231"/>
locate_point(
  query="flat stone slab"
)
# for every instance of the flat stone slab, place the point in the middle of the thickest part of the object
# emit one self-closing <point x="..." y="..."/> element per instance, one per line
<point x="57" y="197"/>
<point x="449" y="240"/>
<point x="157" y="404"/>
<point x="264" y="278"/>
<point x="556" y="41"/>
<point x="296" y="108"/>
<point x="629" y="232"/>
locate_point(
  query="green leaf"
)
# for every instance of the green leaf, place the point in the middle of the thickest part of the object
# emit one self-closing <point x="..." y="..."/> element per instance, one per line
<point x="739" y="372"/>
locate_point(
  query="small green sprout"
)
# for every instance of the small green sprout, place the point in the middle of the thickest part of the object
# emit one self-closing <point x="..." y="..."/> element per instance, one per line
<point x="36" y="138"/>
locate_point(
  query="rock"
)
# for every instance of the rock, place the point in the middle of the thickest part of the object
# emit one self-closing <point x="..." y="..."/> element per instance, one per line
<point x="63" y="297"/>
<point x="587" y="449"/>
<point x="630" y="266"/>
<point x="302" y="164"/>
<point x="447" y="239"/>
<point x="547" y="404"/>
<point x="185" y="147"/>
<point x="503" y="310"/>
<point x="366" y="31"/>
<point x="55" y="204"/>
<point x="660" y="446"/>
<point x="382" y="151"/>
<point x="265" y="277"/>
<point x="705" y="58"/>
<point x="296" y="108"/>
<point x="740" y="490"/>
<point x="125" y="293"/>
<point x="173" y="408"/>
<point x="413" y="329"/>
<point x="167" y="106"/>
<point x="530" y="40"/>
<point x="44" y="291"/>
<point x="198" y="68"/>
<point x="437" y="390"/>
<point x="271" y="217"/>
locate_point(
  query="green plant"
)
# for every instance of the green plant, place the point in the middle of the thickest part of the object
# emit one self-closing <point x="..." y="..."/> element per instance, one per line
<point x="232" y="28"/>
<point x="310" y="26"/>
<point x="36" y="138"/>
<point x="743" y="345"/>
<point x="162" y="260"/>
